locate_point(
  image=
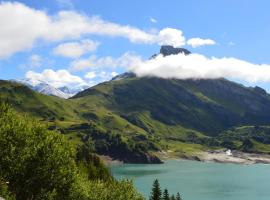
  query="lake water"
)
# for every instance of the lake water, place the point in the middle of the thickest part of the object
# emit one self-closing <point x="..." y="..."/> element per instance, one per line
<point x="201" y="181"/>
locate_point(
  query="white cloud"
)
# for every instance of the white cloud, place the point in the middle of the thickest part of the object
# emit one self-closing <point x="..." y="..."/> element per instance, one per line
<point x="197" y="66"/>
<point x="76" y="49"/>
<point x="114" y="74"/>
<point x="170" y="36"/>
<point x="101" y="75"/>
<point x="21" y="26"/>
<point x="57" y="78"/>
<point x="197" y="42"/>
<point x="34" y="61"/>
<point x="90" y="75"/>
<point x="125" y="61"/>
<point x="105" y="76"/>
<point x="153" y="20"/>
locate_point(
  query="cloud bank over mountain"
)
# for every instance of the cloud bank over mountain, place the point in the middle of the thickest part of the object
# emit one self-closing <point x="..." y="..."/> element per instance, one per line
<point x="196" y="66"/>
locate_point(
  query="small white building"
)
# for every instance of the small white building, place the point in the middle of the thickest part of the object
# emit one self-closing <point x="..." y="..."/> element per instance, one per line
<point x="229" y="152"/>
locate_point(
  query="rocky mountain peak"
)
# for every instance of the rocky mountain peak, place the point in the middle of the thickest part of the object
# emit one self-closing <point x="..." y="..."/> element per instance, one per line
<point x="167" y="50"/>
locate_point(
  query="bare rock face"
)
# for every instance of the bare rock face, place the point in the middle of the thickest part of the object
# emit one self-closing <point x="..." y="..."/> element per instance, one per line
<point x="167" y="50"/>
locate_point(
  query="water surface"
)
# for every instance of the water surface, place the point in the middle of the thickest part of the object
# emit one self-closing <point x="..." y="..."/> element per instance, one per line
<point x="201" y="181"/>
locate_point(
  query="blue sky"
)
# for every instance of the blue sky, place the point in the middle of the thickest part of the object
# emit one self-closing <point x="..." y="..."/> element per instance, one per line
<point x="240" y="29"/>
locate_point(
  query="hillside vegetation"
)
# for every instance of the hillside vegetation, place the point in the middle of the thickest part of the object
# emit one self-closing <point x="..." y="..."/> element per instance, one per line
<point x="39" y="164"/>
<point x="132" y="118"/>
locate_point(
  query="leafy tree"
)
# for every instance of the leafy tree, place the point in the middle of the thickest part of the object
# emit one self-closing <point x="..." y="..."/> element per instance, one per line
<point x="156" y="191"/>
<point x="33" y="160"/>
<point x="166" y="195"/>
<point x="178" y="197"/>
<point x="4" y="192"/>
<point x="91" y="164"/>
<point x="247" y="145"/>
<point x="38" y="164"/>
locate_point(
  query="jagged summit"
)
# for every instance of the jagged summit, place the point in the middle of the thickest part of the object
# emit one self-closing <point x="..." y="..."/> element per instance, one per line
<point x="167" y="50"/>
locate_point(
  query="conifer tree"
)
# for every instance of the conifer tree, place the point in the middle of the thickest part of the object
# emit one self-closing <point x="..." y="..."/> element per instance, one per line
<point x="178" y="197"/>
<point x="156" y="191"/>
<point x="166" y="195"/>
<point x="172" y="197"/>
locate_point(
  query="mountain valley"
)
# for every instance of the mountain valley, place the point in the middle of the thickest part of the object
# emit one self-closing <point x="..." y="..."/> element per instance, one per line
<point x="133" y="119"/>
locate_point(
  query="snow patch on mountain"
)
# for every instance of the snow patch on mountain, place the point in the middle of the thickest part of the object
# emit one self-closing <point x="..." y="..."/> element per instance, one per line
<point x="64" y="92"/>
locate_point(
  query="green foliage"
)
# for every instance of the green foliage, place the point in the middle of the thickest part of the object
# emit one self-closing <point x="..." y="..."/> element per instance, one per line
<point x="117" y="146"/>
<point x="178" y="196"/>
<point x="34" y="160"/>
<point x="166" y="195"/>
<point x="39" y="164"/>
<point x="247" y="145"/>
<point x="172" y="197"/>
<point x="156" y="191"/>
<point x="254" y="139"/>
<point x="90" y="164"/>
<point x="4" y="191"/>
<point x="99" y="190"/>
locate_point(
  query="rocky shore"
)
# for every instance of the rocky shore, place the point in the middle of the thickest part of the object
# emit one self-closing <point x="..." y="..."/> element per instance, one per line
<point x="218" y="156"/>
<point x="237" y="157"/>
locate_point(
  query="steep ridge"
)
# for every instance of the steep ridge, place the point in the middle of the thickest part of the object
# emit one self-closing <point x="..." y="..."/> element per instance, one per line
<point x="132" y="118"/>
<point x="208" y="106"/>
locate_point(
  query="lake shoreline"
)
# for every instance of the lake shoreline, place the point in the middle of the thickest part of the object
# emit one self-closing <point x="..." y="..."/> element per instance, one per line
<point x="236" y="157"/>
<point x="216" y="156"/>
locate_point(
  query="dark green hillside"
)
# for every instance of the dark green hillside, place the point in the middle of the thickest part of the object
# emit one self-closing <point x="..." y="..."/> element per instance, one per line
<point x="254" y="139"/>
<point x="207" y="106"/>
<point x="81" y="123"/>
<point x="131" y="118"/>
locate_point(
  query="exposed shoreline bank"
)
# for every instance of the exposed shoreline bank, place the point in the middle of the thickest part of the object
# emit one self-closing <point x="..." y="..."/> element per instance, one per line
<point x="217" y="156"/>
<point x="236" y="157"/>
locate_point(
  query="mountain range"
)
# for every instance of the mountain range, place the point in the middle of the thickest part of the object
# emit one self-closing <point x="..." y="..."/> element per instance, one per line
<point x="137" y="119"/>
<point x="43" y="87"/>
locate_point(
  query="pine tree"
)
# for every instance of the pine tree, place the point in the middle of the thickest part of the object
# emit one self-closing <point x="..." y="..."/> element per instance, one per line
<point x="178" y="197"/>
<point x="166" y="195"/>
<point x="156" y="191"/>
<point x="172" y="197"/>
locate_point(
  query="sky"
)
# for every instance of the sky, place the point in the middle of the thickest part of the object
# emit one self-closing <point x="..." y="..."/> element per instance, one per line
<point x="71" y="42"/>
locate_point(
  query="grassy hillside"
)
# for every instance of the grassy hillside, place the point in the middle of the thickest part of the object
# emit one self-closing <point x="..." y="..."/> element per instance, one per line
<point x="41" y="106"/>
<point x="181" y="111"/>
<point x="140" y="116"/>
<point x="207" y="106"/>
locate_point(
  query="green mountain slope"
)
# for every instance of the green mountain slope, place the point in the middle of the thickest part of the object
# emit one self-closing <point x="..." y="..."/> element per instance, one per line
<point x="207" y="106"/>
<point x="42" y="106"/>
<point x="131" y="118"/>
<point x="82" y="123"/>
<point x="179" y="113"/>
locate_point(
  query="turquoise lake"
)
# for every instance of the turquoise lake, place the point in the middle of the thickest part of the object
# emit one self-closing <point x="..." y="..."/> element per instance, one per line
<point x="201" y="181"/>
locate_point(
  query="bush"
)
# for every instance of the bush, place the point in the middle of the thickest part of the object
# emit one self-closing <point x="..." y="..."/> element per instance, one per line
<point x="33" y="160"/>
<point x="39" y="164"/>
